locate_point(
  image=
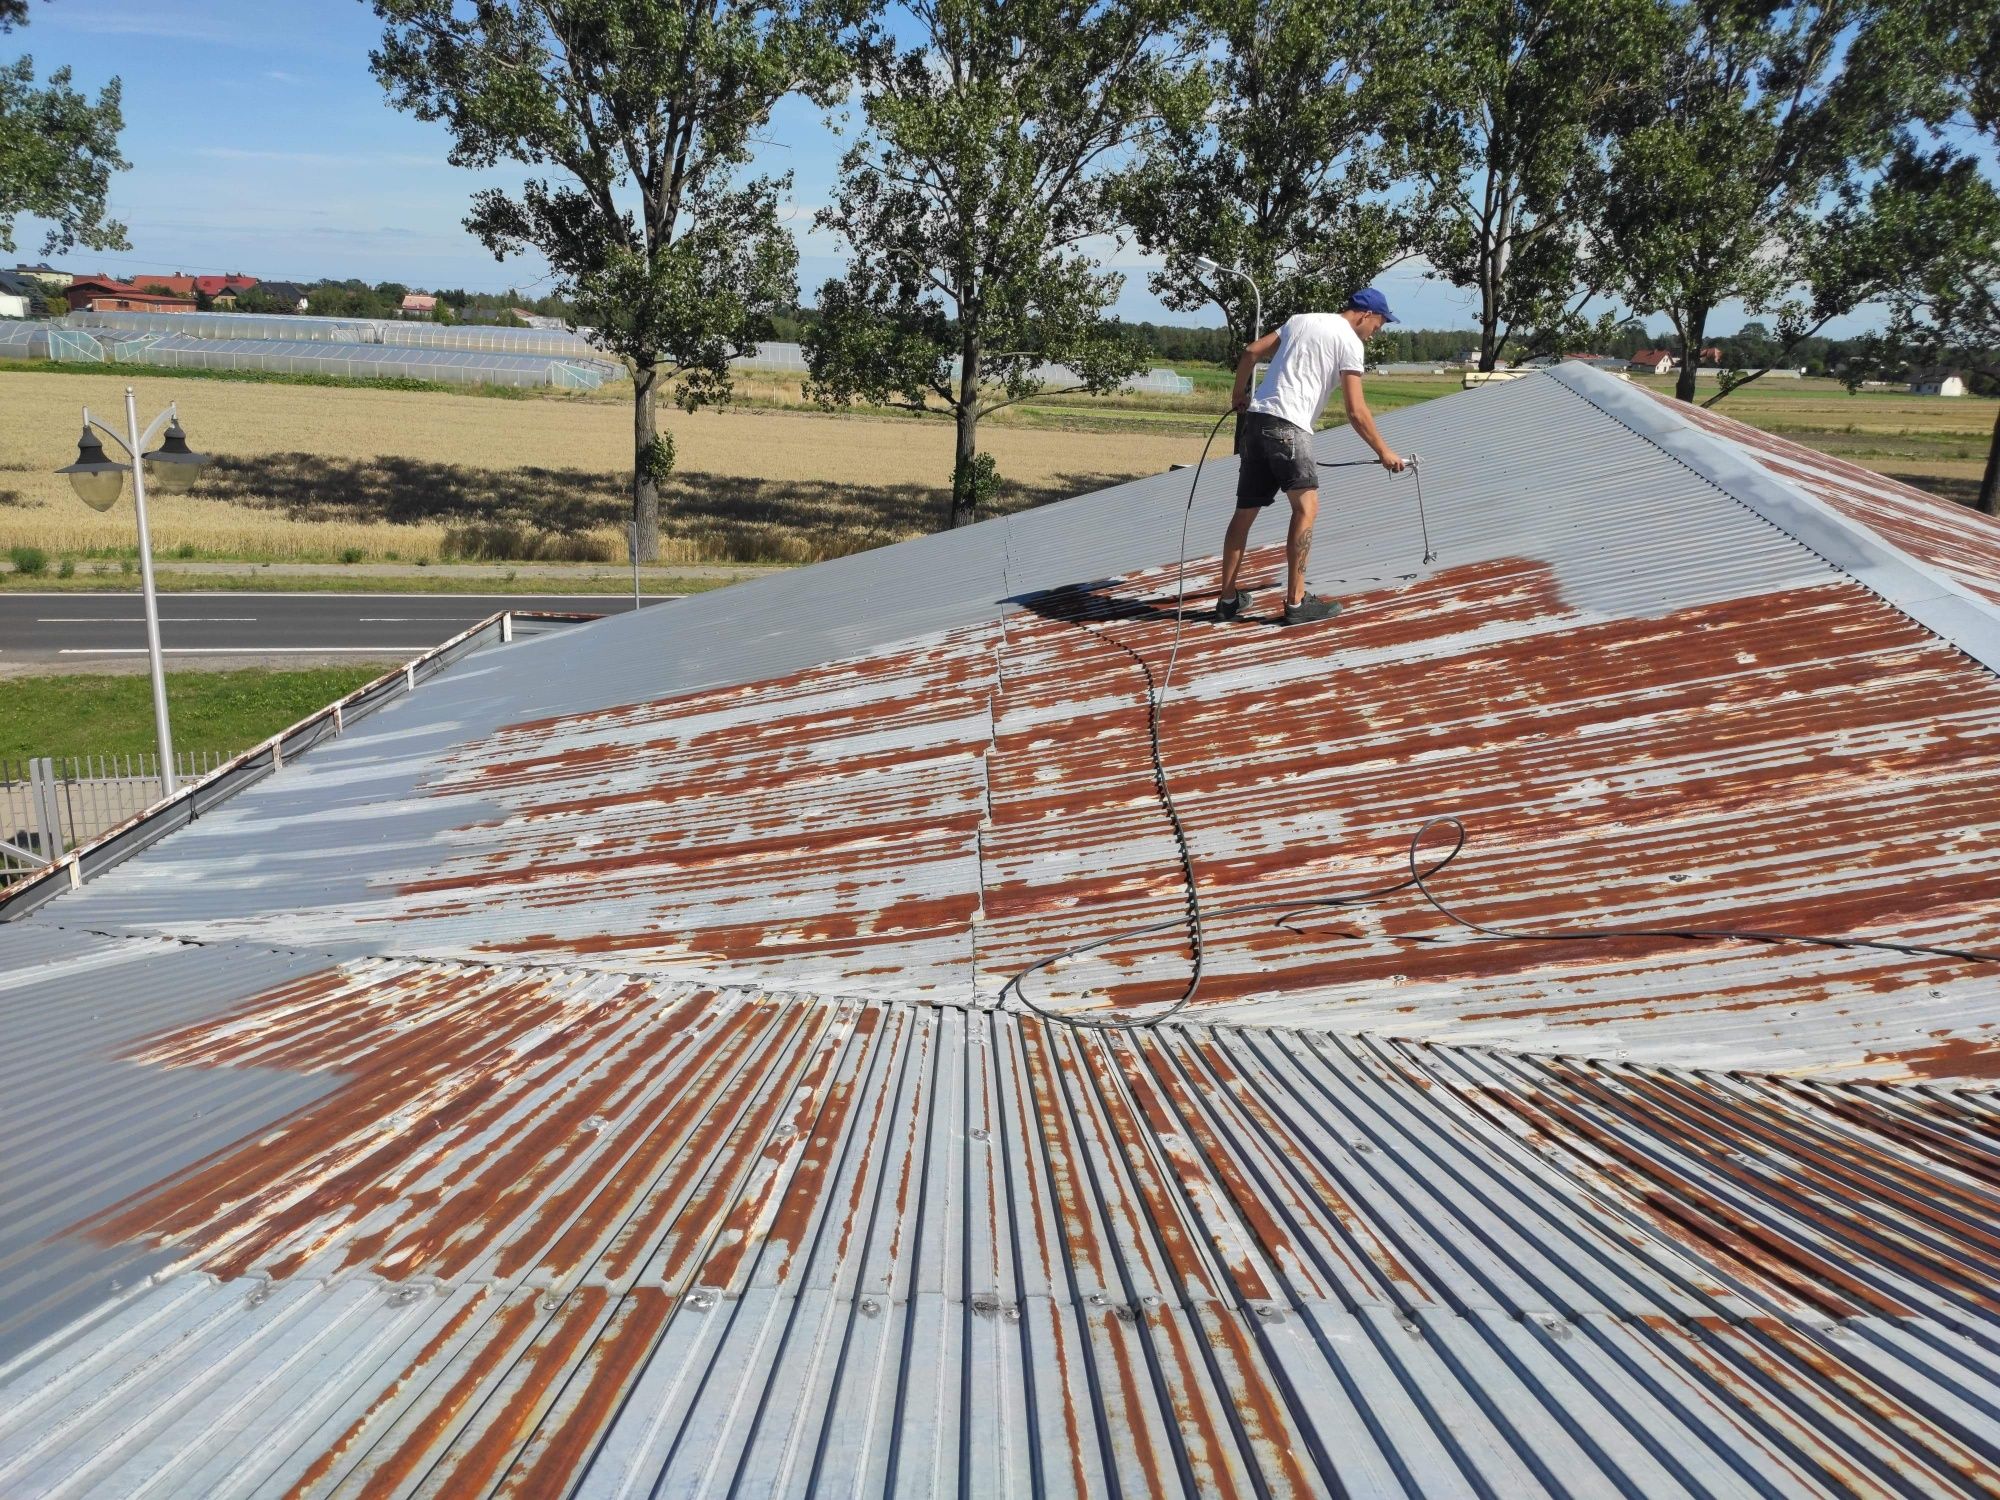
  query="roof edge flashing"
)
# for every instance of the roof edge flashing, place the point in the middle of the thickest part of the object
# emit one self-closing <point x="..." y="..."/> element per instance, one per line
<point x="1926" y="594"/>
<point x="194" y="799"/>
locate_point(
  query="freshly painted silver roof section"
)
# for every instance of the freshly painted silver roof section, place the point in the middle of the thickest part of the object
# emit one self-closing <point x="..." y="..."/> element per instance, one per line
<point x="1922" y="591"/>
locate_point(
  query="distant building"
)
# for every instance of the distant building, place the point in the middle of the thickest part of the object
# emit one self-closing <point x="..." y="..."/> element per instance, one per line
<point x="207" y="291"/>
<point x="1653" y="362"/>
<point x="1938" y="383"/>
<point x="283" y="296"/>
<point x="47" y="275"/>
<point x="103" y="294"/>
<point x="19" y="297"/>
<point x="418" y="305"/>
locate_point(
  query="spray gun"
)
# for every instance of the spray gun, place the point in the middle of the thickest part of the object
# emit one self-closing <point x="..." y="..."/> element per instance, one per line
<point x="1411" y="466"/>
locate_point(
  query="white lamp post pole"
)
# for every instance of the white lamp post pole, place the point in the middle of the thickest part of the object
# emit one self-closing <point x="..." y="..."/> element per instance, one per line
<point x="97" y="479"/>
<point x="136" y="445"/>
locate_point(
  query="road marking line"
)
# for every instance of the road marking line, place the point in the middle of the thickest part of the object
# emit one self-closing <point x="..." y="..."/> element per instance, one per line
<point x="236" y="650"/>
<point x="140" y="619"/>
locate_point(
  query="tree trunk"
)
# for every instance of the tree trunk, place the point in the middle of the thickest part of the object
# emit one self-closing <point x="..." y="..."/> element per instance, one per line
<point x="1695" y="327"/>
<point x="1492" y="284"/>
<point x="645" y="473"/>
<point x="1989" y="487"/>
<point x="964" y="466"/>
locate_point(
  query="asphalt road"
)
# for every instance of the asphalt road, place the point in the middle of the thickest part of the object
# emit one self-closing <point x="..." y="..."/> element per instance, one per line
<point x="84" y="630"/>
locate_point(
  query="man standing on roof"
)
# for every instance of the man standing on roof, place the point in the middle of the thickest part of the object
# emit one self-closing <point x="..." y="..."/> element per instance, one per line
<point x="1308" y="355"/>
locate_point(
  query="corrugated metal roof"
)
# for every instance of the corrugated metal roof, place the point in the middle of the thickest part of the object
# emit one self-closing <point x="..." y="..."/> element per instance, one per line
<point x="549" y="1231"/>
<point x="582" y="1075"/>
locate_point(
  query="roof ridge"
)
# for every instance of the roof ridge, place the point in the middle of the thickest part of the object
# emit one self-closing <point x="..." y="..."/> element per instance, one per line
<point x="1916" y="587"/>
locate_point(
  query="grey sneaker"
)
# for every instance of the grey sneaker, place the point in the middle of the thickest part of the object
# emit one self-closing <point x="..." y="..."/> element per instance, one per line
<point x="1311" y="608"/>
<point x="1234" y="605"/>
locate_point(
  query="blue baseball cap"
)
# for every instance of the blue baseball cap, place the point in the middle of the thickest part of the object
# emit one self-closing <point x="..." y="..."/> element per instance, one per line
<point x="1370" y="300"/>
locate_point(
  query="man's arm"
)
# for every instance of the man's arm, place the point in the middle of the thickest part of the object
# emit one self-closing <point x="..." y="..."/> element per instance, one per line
<point x="1363" y="422"/>
<point x="1253" y="356"/>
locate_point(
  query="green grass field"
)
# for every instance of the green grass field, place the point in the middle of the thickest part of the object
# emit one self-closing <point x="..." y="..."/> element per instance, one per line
<point x="113" y="715"/>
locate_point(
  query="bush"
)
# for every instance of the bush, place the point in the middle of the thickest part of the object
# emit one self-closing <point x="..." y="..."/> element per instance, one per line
<point x="31" y="562"/>
<point x="185" y="550"/>
<point x="128" y="565"/>
<point x="351" y="555"/>
<point x="66" y="568"/>
<point x="500" y="542"/>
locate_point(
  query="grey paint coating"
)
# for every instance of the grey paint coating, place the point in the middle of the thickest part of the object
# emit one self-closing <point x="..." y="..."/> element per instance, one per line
<point x="83" y="1128"/>
<point x="1924" y="592"/>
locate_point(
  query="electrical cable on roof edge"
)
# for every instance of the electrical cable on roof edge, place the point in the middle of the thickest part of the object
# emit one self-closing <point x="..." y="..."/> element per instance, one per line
<point x="1419" y="878"/>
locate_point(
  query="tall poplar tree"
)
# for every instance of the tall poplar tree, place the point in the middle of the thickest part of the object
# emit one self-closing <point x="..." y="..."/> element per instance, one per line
<point x="640" y="116"/>
<point x="1274" y="163"/>
<point x="1521" y="96"/>
<point x="970" y="208"/>
<point x="1714" y="193"/>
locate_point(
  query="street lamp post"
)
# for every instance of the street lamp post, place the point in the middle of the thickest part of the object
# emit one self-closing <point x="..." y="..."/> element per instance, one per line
<point x="97" y="479"/>
<point x="1216" y="267"/>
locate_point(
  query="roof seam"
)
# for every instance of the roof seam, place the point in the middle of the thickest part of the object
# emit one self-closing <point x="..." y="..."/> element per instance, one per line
<point x="1935" y="606"/>
<point x="1226" y="1025"/>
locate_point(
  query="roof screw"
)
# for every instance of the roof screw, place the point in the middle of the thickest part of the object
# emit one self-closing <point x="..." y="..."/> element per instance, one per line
<point x="870" y="1307"/>
<point x="1096" y="1299"/>
<point x="700" y="1301"/>
<point x="549" y="1302"/>
<point x="980" y="1135"/>
<point x="1150" y="1300"/>
<point x="1013" y="1312"/>
<point x="1271" y="1314"/>
<point x="1124" y="1314"/>
<point x="1364" y="1148"/>
<point x="1409" y="1326"/>
<point x="985" y="1307"/>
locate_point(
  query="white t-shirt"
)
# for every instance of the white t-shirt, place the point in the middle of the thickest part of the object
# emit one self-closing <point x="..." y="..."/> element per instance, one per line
<point x="1314" y="351"/>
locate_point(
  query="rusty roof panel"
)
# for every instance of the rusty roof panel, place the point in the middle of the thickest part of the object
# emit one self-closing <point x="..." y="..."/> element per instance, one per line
<point x="547" y="1233"/>
<point x="1809" y="760"/>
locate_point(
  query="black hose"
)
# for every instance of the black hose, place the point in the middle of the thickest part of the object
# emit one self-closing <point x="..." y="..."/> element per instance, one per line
<point x="1194" y="920"/>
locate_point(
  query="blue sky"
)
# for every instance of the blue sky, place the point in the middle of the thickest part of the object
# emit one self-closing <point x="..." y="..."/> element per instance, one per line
<point x="260" y="143"/>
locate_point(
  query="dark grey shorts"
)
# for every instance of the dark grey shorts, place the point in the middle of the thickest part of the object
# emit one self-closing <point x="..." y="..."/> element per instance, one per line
<point x="1276" y="456"/>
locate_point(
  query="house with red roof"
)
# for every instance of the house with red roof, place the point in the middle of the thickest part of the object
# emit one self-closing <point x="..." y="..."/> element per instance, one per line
<point x="147" y="294"/>
<point x="1653" y="362"/>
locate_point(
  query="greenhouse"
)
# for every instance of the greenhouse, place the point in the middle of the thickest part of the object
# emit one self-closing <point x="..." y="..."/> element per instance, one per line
<point x="38" y="340"/>
<point x="357" y="361"/>
<point x="300" y="329"/>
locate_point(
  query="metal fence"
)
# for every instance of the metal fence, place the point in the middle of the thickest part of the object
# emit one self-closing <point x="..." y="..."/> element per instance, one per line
<point x="49" y="806"/>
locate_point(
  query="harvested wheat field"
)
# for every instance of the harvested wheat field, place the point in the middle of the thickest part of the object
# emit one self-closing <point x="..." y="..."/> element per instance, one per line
<point x="329" y="474"/>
